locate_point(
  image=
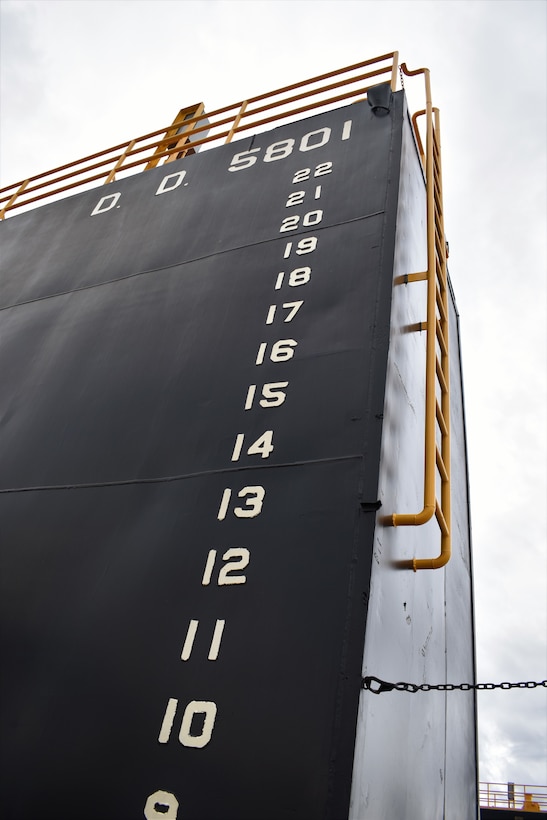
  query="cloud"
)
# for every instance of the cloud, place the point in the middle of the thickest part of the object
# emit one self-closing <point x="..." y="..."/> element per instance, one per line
<point x="79" y="76"/>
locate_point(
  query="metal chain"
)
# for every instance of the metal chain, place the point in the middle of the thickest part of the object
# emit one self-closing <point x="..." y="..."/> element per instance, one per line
<point x="377" y="686"/>
<point x="402" y="78"/>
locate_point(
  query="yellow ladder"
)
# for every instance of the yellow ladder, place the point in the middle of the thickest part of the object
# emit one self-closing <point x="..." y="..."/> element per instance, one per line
<point x="437" y="387"/>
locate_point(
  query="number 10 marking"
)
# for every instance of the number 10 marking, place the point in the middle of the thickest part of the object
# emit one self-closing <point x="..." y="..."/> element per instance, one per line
<point x="195" y="707"/>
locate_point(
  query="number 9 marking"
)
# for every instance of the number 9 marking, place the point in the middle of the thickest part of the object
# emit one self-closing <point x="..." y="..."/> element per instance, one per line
<point x="162" y="805"/>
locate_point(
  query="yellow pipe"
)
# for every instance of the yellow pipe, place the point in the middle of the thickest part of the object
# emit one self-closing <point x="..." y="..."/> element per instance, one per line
<point x="416" y="519"/>
<point x="433" y="460"/>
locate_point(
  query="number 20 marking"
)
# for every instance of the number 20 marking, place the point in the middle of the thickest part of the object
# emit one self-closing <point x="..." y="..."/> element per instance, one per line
<point x="290" y="223"/>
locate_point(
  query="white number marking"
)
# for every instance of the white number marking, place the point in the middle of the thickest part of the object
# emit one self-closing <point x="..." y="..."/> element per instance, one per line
<point x="237" y="446"/>
<point x="323" y="168"/>
<point x="225" y="578"/>
<point x="282" y="351"/>
<point x="161" y="806"/>
<point x="324" y="137"/>
<point x="198" y="707"/>
<point x="254" y="497"/>
<point x="312" y="218"/>
<point x="290" y="223"/>
<point x="292" y="307"/>
<point x="215" y="643"/>
<point x="271" y="392"/>
<point x="299" y="276"/>
<point x="307" y="245"/>
<point x="223" y="509"/>
<point x="168" y="718"/>
<point x="301" y="176"/>
<point x="261" y="447"/>
<point x="250" y="396"/>
<point x="304" y="174"/>
<point x="243" y="160"/>
<point x="189" y="641"/>
<point x="190" y="637"/>
<point x="279" y="150"/>
<point x="195" y="707"/>
<point x="261" y="353"/>
<point x="241" y="557"/>
<point x="296" y="198"/>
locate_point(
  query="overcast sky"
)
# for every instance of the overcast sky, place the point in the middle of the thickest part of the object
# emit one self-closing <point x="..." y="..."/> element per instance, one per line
<point x="78" y="76"/>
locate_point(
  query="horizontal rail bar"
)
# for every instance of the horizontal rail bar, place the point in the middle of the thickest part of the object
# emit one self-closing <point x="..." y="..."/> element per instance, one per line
<point x="241" y="117"/>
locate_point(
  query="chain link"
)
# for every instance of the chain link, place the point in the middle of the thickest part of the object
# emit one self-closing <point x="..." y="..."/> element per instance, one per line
<point x="402" y="77"/>
<point x="377" y="686"/>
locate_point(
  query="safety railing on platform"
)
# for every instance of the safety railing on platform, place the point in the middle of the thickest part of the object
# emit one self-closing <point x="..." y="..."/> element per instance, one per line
<point x="437" y="377"/>
<point x="513" y="796"/>
<point x="193" y="128"/>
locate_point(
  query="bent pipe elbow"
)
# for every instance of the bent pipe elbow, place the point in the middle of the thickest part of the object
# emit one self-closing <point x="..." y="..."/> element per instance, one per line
<point x="429" y="563"/>
<point x="413" y="519"/>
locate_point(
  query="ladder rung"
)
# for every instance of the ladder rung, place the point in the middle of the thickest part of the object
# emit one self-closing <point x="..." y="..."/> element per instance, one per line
<point x="441" y="465"/>
<point x="441" y="519"/>
<point x="438" y="202"/>
<point x="437" y="189"/>
<point x="441" y="305"/>
<point x="441" y="419"/>
<point x="440" y="375"/>
<point x="440" y="337"/>
<point x="439" y="242"/>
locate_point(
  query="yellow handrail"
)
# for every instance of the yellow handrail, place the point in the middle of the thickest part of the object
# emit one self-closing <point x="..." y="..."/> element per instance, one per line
<point x="436" y="462"/>
<point x="219" y="126"/>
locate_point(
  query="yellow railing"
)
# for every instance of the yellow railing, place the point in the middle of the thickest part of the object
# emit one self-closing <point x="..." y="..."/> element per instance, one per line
<point x="193" y="127"/>
<point x="437" y="377"/>
<point x="513" y="796"/>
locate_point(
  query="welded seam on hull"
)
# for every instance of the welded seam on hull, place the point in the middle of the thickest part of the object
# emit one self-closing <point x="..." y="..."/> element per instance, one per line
<point x="181" y="477"/>
<point x="180" y="264"/>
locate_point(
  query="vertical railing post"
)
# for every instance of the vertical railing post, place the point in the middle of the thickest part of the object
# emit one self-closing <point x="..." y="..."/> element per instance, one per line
<point x="12" y="199"/>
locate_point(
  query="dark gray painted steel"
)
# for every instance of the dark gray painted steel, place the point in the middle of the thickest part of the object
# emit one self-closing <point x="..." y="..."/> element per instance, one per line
<point x="128" y="344"/>
<point x="129" y="340"/>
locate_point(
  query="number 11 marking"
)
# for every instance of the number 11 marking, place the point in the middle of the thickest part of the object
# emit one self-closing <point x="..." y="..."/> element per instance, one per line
<point x="190" y="637"/>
